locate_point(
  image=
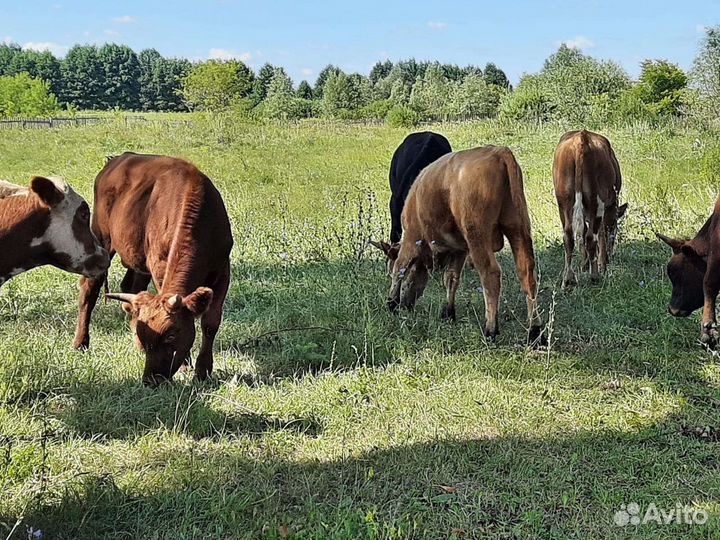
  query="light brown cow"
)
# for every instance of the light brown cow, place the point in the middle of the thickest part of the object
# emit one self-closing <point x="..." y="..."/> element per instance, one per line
<point x="47" y="223"/>
<point x="168" y="223"/>
<point x="587" y="180"/>
<point x="463" y="204"/>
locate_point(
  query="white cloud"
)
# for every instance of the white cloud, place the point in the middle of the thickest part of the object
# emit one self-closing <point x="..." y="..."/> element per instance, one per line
<point x="227" y="54"/>
<point x="125" y="19"/>
<point x="54" y="48"/>
<point x="112" y="33"/>
<point x="7" y="40"/>
<point x="578" y="42"/>
<point x="700" y="28"/>
<point x="437" y="25"/>
<point x="307" y="72"/>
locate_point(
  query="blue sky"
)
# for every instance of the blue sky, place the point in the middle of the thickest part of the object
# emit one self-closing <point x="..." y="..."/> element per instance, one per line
<point x="305" y="36"/>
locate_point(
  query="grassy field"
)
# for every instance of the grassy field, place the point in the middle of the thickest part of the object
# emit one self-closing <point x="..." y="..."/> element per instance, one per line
<point x="330" y="418"/>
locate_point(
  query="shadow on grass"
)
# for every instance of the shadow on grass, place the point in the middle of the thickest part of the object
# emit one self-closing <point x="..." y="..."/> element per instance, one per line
<point x="296" y="318"/>
<point x="127" y="410"/>
<point x="504" y="486"/>
<point x="498" y="487"/>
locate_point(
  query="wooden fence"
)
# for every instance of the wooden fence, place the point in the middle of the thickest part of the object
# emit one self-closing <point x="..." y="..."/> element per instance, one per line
<point x="47" y="123"/>
<point x="40" y="123"/>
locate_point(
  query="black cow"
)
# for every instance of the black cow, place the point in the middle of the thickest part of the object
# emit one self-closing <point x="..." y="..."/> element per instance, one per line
<point x="416" y="152"/>
<point x="694" y="271"/>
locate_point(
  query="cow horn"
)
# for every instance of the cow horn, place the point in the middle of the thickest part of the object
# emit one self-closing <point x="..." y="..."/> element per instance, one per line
<point x="672" y="242"/>
<point x="174" y="302"/>
<point x="122" y="297"/>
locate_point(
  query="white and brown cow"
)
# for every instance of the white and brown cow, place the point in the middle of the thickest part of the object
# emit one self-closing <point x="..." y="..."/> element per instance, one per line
<point x="47" y="223"/>
<point x="587" y="180"/>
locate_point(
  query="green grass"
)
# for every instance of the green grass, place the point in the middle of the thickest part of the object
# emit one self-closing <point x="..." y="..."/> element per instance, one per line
<point x="367" y="425"/>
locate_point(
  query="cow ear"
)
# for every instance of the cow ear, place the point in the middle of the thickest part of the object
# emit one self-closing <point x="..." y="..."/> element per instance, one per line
<point x="198" y="301"/>
<point x="688" y="249"/>
<point x="674" y="243"/>
<point x="621" y="210"/>
<point x="46" y="190"/>
<point x="390" y="250"/>
<point x="382" y="246"/>
<point x="394" y="251"/>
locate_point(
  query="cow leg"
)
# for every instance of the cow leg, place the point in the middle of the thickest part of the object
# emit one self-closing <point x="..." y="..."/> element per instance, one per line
<point x="711" y="286"/>
<point x="486" y="264"/>
<point x="210" y="323"/>
<point x="602" y="251"/>
<point x="89" y="291"/>
<point x="521" y="245"/>
<point x="569" y="278"/>
<point x="452" y="276"/>
<point x="395" y="222"/>
<point x="591" y="246"/>
<point x="134" y="282"/>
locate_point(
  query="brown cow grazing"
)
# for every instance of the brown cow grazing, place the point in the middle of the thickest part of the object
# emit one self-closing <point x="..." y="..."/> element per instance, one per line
<point x="587" y="182"/>
<point x="47" y="223"/>
<point x="694" y="271"/>
<point x="168" y="223"/>
<point x="463" y="204"/>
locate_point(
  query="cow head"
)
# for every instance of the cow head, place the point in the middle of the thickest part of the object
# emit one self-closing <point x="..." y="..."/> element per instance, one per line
<point x="613" y="214"/>
<point x="391" y="252"/>
<point x="67" y="241"/>
<point x="410" y="275"/>
<point x="164" y="328"/>
<point x="686" y="271"/>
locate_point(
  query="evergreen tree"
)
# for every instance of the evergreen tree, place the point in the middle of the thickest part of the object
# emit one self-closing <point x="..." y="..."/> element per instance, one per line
<point x="262" y="83"/>
<point x="322" y="79"/>
<point x="304" y="90"/>
<point x="380" y="70"/>
<point x="149" y="61"/>
<point x="280" y="101"/>
<point x="495" y="75"/>
<point x="83" y="78"/>
<point x="121" y="88"/>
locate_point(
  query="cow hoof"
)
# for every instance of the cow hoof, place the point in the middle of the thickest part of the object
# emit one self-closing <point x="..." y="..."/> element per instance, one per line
<point x="568" y="283"/>
<point x="393" y="305"/>
<point x="448" y="313"/>
<point x="709" y="338"/>
<point x="81" y="344"/>
<point x="595" y="278"/>
<point x="537" y="337"/>
<point x="491" y="334"/>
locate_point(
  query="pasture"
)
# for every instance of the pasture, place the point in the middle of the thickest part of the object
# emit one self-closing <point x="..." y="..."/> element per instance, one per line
<point x="328" y="417"/>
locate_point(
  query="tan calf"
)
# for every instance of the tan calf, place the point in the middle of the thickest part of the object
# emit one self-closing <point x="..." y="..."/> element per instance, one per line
<point x="464" y="204"/>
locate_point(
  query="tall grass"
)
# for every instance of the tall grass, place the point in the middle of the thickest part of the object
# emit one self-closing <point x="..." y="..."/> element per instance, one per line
<point x="330" y="418"/>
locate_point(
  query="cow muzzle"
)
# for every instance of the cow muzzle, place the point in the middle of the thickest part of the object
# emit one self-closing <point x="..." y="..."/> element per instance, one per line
<point x="675" y="312"/>
<point x="97" y="264"/>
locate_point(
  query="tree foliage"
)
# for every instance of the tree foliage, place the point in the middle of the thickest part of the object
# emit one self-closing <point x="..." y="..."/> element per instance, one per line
<point x="705" y="74"/>
<point x="281" y="102"/>
<point x="216" y="85"/>
<point x="342" y="95"/>
<point x="83" y="78"/>
<point x="121" y="77"/>
<point x="21" y="95"/>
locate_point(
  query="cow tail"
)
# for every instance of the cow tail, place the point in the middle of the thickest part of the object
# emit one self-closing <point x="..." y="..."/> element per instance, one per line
<point x="578" y="219"/>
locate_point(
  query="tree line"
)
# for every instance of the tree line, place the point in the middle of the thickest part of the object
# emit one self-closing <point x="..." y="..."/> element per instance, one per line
<point x="571" y="86"/>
